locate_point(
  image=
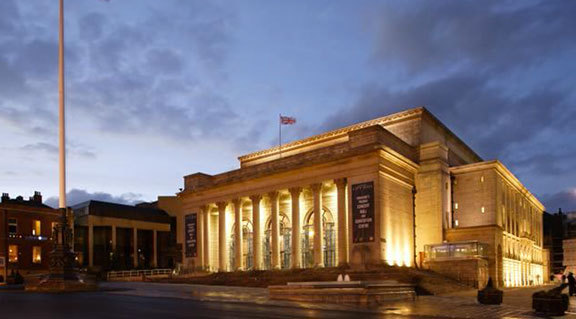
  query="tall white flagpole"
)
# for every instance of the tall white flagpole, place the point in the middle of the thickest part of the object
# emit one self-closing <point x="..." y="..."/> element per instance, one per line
<point x="62" y="122"/>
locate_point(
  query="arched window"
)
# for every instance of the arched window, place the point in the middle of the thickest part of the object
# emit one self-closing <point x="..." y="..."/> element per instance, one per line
<point x="247" y="255"/>
<point x="328" y="242"/>
<point x="285" y="233"/>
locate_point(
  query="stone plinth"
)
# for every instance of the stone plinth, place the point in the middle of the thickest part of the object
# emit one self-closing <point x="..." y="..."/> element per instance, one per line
<point x="362" y="293"/>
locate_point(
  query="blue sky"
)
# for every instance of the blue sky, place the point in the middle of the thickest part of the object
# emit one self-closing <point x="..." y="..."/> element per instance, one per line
<point x="161" y="89"/>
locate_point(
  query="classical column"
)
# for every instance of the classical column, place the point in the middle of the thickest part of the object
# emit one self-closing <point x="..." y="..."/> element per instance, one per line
<point x="222" y="236"/>
<point x="113" y="239"/>
<point x="200" y="239"/>
<point x="206" y="238"/>
<point x="154" y="262"/>
<point x="296" y="251"/>
<point x="257" y="232"/>
<point x="318" y="231"/>
<point x="238" y="253"/>
<point x="90" y="245"/>
<point x="135" y="247"/>
<point x="275" y="229"/>
<point x="342" y="222"/>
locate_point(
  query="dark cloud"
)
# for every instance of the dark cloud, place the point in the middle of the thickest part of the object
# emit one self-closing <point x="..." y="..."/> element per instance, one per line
<point x="565" y="199"/>
<point x="492" y="34"/>
<point x="76" y="196"/>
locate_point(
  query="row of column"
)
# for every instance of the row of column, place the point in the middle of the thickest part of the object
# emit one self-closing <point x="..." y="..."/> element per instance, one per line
<point x="255" y="199"/>
<point x="154" y="261"/>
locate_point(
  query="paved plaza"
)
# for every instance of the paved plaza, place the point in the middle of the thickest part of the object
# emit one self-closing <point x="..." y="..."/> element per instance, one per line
<point x="158" y="300"/>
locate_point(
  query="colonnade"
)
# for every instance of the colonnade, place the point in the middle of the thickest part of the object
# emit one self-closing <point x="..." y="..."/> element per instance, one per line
<point x="235" y="205"/>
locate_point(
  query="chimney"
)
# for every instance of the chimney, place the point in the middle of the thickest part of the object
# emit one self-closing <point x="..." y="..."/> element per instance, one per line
<point x="37" y="197"/>
<point x="5" y="197"/>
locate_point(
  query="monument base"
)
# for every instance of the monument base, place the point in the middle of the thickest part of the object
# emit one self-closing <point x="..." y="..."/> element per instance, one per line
<point x="59" y="283"/>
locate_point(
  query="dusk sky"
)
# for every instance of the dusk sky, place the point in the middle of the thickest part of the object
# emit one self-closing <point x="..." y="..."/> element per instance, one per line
<point x="161" y="89"/>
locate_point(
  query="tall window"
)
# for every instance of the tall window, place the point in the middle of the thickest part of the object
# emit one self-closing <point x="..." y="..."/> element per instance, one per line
<point x="37" y="254"/>
<point x="36" y="228"/>
<point x="13" y="253"/>
<point x="12" y="226"/>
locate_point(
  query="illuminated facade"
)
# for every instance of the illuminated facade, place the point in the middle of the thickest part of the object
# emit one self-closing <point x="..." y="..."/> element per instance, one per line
<point x="25" y="235"/>
<point x="375" y="192"/>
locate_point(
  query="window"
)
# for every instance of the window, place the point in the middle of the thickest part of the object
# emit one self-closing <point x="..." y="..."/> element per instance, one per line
<point x="455" y="205"/>
<point x="37" y="254"/>
<point x="36" y="230"/>
<point x="12" y="226"/>
<point x="13" y="253"/>
<point x="53" y="227"/>
<point x="482" y="209"/>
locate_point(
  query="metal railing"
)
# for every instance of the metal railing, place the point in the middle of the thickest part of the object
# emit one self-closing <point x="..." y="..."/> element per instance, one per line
<point x="138" y="273"/>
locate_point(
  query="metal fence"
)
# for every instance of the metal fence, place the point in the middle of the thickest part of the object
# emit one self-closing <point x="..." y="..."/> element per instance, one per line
<point x="138" y="273"/>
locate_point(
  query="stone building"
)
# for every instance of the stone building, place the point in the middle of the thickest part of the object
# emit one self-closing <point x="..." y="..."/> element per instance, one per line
<point x="115" y="236"/>
<point x="392" y="190"/>
<point x="25" y="234"/>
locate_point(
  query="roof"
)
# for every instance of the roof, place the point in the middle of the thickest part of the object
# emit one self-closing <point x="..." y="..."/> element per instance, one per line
<point x="114" y="210"/>
<point x="333" y="134"/>
<point x="26" y="203"/>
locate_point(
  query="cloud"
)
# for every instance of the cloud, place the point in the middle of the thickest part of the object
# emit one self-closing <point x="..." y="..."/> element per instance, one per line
<point x="565" y="199"/>
<point x="76" y="196"/>
<point x="73" y="149"/>
<point x="482" y="35"/>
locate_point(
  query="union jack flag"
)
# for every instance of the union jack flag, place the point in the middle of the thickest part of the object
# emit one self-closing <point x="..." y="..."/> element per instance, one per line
<point x="287" y="120"/>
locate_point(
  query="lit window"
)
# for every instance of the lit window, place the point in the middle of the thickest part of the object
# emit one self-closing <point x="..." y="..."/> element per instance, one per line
<point x="455" y="205"/>
<point x="13" y="253"/>
<point x="456" y="222"/>
<point x="37" y="254"/>
<point x="482" y="179"/>
<point x="482" y="209"/>
<point x="36" y="230"/>
<point x="12" y="226"/>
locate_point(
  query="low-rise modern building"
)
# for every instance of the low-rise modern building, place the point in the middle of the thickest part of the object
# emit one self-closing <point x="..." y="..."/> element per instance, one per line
<point x="111" y="236"/>
<point x="26" y="228"/>
<point x="401" y="190"/>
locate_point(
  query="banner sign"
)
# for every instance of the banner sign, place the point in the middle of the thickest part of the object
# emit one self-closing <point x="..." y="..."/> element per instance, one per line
<point x="363" y="212"/>
<point x="191" y="235"/>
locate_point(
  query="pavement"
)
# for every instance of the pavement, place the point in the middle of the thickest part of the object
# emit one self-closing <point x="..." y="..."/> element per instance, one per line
<point x="516" y="304"/>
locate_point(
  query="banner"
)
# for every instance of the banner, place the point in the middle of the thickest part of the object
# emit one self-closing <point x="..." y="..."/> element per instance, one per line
<point x="363" y="212"/>
<point x="191" y="235"/>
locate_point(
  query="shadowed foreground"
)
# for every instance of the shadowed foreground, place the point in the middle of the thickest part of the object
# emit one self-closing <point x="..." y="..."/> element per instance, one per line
<point x="103" y="305"/>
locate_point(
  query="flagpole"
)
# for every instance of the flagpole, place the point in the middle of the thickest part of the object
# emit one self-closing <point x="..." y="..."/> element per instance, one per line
<point x="62" y="120"/>
<point x="280" y="135"/>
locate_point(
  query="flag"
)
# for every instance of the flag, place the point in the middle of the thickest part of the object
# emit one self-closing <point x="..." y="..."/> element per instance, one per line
<point x="287" y="120"/>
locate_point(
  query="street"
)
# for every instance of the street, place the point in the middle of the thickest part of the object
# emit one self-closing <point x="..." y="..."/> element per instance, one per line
<point x="101" y="305"/>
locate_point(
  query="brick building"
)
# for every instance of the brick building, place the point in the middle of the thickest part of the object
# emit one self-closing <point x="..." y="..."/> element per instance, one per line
<point x="26" y="234"/>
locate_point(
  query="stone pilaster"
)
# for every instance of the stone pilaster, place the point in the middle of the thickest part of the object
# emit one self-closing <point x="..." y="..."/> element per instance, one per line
<point x="318" y="231"/>
<point x="257" y="231"/>
<point x="135" y="247"/>
<point x="296" y="230"/>
<point x="154" y="248"/>
<point x="90" y="244"/>
<point x="222" y="236"/>
<point x="341" y="184"/>
<point x="275" y="243"/>
<point x="238" y="253"/>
